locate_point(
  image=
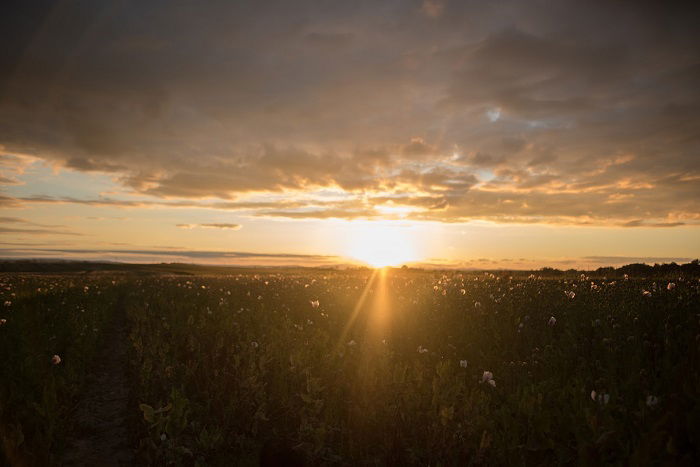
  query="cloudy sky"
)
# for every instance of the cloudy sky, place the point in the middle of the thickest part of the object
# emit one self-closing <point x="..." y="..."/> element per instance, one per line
<point x="497" y="134"/>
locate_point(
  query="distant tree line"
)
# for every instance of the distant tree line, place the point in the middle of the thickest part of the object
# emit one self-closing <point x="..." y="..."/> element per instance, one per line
<point x="691" y="269"/>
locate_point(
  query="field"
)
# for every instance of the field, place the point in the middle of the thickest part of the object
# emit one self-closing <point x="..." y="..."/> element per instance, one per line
<point x="386" y="367"/>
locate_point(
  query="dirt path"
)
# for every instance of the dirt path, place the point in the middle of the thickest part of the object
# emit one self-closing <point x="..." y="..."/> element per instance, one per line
<point x="101" y="436"/>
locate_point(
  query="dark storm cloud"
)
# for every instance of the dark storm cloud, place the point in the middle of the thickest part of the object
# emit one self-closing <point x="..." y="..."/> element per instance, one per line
<point x="573" y="112"/>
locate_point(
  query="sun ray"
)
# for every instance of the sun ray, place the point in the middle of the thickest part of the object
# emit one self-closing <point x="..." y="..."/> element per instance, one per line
<point x="381" y="306"/>
<point x="356" y="310"/>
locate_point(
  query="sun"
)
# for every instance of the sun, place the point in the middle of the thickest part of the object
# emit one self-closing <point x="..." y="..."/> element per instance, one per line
<point x="381" y="243"/>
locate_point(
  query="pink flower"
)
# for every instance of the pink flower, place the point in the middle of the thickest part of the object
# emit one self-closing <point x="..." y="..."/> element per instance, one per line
<point x="55" y="359"/>
<point x="552" y="321"/>
<point x="488" y="376"/>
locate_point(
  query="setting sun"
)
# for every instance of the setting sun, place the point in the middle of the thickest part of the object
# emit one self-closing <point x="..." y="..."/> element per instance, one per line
<point x="423" y="232"/>
<point x="381" y="244"/>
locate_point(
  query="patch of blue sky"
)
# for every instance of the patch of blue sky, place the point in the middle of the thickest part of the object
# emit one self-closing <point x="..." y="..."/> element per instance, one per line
<point x="41" y="180"/>
<point x="485" y="175"/>
<point x="493" y="114"/>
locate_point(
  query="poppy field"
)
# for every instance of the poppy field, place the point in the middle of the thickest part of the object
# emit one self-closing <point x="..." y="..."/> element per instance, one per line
<point x="361" y="367"/>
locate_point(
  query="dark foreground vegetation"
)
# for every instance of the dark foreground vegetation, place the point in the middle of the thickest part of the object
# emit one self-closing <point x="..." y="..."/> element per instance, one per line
<point x="358" y="367"/>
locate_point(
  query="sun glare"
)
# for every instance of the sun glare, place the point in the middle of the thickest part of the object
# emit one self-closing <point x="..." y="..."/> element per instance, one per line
<point x="381" y="244"/>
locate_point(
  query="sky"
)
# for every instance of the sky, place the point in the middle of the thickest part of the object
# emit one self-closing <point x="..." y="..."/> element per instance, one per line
<point x="502" y="134"/>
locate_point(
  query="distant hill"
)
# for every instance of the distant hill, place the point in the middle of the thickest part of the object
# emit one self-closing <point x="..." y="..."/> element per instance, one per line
<point x="691" y="269"/>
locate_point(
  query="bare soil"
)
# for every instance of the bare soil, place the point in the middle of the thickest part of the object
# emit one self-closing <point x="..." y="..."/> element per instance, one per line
<point x="101" y="436"/>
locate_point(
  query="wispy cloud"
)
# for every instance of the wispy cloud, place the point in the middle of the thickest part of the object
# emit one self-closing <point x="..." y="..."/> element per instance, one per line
<point x="642" y="223"/>
<point x="494" y="205"/>
<point x="210" y="226"/>
<point x="172" y="255"/>
<point x="25" y="227"/>
<point x="10" y="230"/>
<point x="9" y="181"/>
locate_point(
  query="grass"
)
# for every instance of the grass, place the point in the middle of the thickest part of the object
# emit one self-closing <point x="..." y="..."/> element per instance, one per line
<point x="222" y="364"/>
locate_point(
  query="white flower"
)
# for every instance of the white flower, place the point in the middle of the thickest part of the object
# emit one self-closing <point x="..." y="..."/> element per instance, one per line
<point x="652" y="401"/>
<point x="487" y="376"/>
<point x="55" y="359"/>
<point x="163" y="437"/>
<point x="601" y="398"/>
<point x="352" y="343"/>
<point x="477" y="304"/>
<point x="462" y="291"/>
<point x="670" y="286"/>
<point x="463" y="363"/>
<point x="8" y="303"/>
<point x="570" y="294"/>
<point x="314" y="303"/>
<point x="3" y="321"/>
<point x="646" y="293"/>
<point x="254" y="344"/>
<point x="492" y="382"/>
<point x="422" y="349"/>
<point x="552" y="321"/>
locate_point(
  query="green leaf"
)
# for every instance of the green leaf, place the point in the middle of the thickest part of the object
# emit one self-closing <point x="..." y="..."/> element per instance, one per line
<point x="148" y="412"/>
